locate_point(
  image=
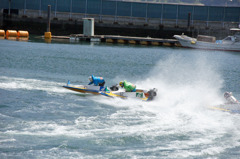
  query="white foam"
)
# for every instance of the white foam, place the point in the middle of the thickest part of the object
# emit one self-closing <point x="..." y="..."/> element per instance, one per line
<point x="13" y="83"/>
<point x="41" y="128"/>
<point x="7" y="140"/>
<point x="185" y="91"/>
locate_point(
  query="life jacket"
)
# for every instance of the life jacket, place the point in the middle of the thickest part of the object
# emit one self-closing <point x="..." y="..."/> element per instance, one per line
<point x="97" y="80"/>
<point x="129" y="87"/>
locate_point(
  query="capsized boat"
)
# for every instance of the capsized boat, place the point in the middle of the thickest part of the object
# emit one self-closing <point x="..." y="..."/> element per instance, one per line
<point x="231" y="105"/>
<point x="231" y="108"/>
<point x="230" y="43"/>
<point x="114" y="91"/>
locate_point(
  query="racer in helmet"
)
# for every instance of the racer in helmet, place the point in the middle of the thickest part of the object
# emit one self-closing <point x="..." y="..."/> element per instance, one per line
<point x="129" y="87"/>
<point x="230" y="98"/>
<point x="97" y="81"/>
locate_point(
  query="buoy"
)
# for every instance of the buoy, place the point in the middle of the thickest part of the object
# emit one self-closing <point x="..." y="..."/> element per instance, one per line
<point x="166" y="44"/>
<point x="132" y="42"/>
<point x="2" y="34"/>
<point x="121" y="41"/>
<point x="22" y="33"/>
<point x="11" y="34"/>
<point x="155" y="43"/>
<point x="47" y="35"/>
<point x="177" y="44"/>
<point x="143" y="42"/>
<point x="109" y="40"/>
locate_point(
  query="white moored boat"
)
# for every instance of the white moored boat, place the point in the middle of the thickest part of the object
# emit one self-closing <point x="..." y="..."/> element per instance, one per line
<point x="230" y="43"/>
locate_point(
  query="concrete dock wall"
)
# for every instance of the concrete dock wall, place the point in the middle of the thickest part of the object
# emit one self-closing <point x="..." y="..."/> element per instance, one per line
<point x="130" y="22"/>
<point x="165" y="19"/>
<point x="116" y="8"/>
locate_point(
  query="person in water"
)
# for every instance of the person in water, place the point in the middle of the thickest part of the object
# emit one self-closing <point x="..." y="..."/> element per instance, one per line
<point x="97" y="81"/>
<point x="129" y="87"/>
<point x="230" y="98"/>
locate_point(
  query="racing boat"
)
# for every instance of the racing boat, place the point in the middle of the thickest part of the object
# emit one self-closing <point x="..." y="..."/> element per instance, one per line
<point x="113" y="91"/>
<point x="231" y="108"/>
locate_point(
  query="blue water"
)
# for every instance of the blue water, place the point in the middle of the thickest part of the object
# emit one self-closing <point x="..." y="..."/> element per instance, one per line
<point x="41" y="119"/>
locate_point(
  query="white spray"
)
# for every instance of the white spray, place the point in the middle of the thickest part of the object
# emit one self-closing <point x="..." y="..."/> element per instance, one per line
<point x="184" y="83"/>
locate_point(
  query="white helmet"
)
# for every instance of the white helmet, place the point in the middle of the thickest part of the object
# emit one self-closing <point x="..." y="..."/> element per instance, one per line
<point x="90" y="78"/>
<point x="227" y="94"/>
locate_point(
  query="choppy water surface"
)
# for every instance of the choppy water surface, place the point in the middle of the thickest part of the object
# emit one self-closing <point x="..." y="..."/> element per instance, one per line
<point x="40" y="119"/>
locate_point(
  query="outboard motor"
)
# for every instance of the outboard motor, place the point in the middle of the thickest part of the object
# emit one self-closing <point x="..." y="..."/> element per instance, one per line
<point x="152" y="93"/>
<point x="230" y="98"/>
<point x="114" y="88"/>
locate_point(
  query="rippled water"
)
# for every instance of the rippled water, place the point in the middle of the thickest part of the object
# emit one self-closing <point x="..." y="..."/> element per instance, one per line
<point x="40" y="119"/>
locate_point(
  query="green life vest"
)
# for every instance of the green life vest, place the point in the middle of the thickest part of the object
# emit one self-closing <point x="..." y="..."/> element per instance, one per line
<point x="128" y="86"/>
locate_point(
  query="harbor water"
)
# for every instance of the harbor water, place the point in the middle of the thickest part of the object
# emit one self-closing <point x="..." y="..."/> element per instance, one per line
<point x="41" y="119"/>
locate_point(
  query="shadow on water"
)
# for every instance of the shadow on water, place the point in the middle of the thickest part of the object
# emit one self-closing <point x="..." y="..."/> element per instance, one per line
<point x="82" y="95"/>
<point x="3" y="106"/>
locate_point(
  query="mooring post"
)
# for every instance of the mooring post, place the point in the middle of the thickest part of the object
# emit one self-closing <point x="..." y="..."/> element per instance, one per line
<point x="47" y="34"/>
<point x="189" y="18"/>
<point x="9" y="8"/>
<point x="49" y="18"/>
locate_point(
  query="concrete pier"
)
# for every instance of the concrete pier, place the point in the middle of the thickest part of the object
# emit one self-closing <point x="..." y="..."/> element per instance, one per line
<point x="124" y="40"/>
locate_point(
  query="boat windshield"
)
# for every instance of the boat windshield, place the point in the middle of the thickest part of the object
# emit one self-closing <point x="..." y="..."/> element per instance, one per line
<point x="229" y="38"/>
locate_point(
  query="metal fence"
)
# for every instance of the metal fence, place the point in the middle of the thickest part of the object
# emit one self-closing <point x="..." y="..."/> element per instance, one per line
<point x="129" y="9"/>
